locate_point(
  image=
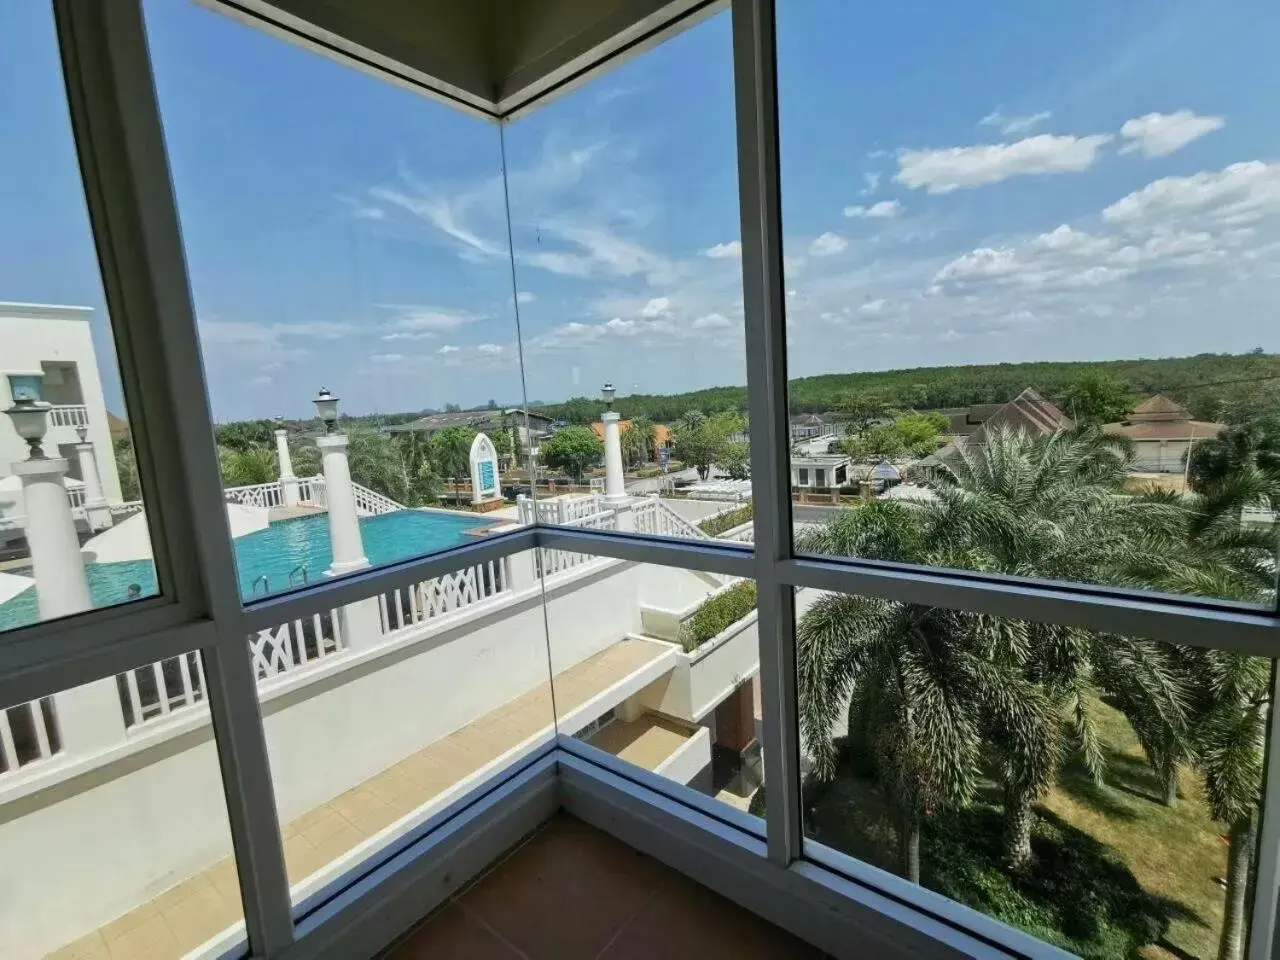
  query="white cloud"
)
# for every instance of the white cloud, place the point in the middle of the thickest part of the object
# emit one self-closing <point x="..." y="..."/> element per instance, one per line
<point x="828" y="244"/>
<point x="1013" y="125"/>
<point x="447" y="349"/>
<point x="420" y="323"/>
<point x="724" y="251"/>
<point x="873" y="307"/>
<point x="953" y="168"/>
<point x="626" y="328"/>
<point x="712" y="321"/>
<point x="657" y="307"/>
<point x="440" y="213"/>
<point x="1160" y="134"/>
<point x="871" y="183"/>
<point x="526" y="296"/>
<point x="884" y="210"/>
<point x="387" y="357"/>
<point x="1238" y="194"/>
<point x="491" y="349"/>
<point x="983" y="263"/>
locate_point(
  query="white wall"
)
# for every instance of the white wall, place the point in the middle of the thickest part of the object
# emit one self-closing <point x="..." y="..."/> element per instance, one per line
<point x="1159" y="456"/>
<point x="695" y="510"/>
<point x="690" y="762"/>
<point x="32" y="333"/>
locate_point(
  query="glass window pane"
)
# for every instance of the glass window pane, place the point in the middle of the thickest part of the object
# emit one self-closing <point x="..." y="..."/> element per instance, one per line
<point x="329" y="219"/>
<point x="381" y="713"/>
<point x="1028" y="290"/>
<point x="624" y="209"/>
<point x="1097" y="791"/>
<point x="113" y="822"/>
<point x="73" y="532"/>
<point x="659" y="666"/>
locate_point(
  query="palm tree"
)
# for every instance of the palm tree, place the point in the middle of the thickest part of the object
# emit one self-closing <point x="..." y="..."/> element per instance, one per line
<point x="637" y="441"/>
<point x="1240" y="450"/>
<point x="923" y="698"/>
<point x="1045" y="507"/>
<point x="243" y="468"/>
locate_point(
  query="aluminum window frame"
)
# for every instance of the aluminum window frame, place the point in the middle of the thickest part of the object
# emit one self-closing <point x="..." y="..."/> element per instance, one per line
<point x="119" y="140"/>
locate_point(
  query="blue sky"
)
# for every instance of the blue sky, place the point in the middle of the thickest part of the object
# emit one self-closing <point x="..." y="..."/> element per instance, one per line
<point x="1012" y="182"/>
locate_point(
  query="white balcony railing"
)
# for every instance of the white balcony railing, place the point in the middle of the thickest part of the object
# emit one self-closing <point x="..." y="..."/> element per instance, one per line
<point x="656" y="517"/>
<point x="409" y="606"/>
<point x="28" y="734"/>
<point x="69" y="415"/>
<point x="158" y="689"/>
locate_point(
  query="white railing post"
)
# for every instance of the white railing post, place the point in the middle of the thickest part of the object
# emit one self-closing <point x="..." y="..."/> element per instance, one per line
<point x="90" y="718"/>
<point x="288" y="482"/>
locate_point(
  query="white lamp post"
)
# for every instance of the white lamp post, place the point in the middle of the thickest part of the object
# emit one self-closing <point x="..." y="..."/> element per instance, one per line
<point x="95" y="504"/>
<point x="615" y="493"/>
<point x="288" y="482"/>
<point x="50" y="527"/>
<point x="361" y="621"/>
<point x="89" y="716"/>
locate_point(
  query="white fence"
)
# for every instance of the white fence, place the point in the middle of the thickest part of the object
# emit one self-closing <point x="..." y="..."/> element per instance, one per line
<point x="28" y="733"/>
<point x="420" y="602"/>
<point x="69" y="415"/>
<point x="158" y="689"/>
<point x="293" y="645"/>
<point x="312" y="491"/>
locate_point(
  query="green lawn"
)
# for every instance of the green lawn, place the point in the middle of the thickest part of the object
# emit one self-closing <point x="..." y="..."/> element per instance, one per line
<point x="1172" y="854"/>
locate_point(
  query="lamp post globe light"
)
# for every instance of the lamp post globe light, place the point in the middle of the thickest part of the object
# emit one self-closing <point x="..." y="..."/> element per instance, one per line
<point x="327" y="408"/>
<point x="607" y="392"/>
<point x="31" y="420"/>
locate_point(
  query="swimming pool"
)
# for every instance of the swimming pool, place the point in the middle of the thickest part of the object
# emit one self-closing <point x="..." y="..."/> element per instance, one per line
<point x="274" y="553"/>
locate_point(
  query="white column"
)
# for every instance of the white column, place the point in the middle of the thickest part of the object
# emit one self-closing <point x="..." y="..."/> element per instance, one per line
<point x="89" y="716"/>
<point x="288" y="482"/>
<point x="51" y="538"/>
<point x="95" y="504"/>
<point x="361" y="622"/>
<point x="614" y="490"/>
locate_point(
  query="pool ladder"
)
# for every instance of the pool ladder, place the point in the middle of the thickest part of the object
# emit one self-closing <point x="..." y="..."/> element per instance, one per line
<point x="299" y="569"/>
<point x="266" y="585"/>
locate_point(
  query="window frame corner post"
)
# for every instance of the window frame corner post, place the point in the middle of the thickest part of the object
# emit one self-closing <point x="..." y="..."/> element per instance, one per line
<point x="763" y="287"/>
<point x="119" y="141"/>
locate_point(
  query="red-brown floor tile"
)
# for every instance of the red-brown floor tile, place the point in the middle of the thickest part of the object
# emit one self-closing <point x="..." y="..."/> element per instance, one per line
<point x="455" y="935"/>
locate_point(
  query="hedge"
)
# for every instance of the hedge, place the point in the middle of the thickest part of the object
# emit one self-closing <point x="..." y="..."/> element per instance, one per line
<point x="717" y="614"/>
<point x="720" y="522"/>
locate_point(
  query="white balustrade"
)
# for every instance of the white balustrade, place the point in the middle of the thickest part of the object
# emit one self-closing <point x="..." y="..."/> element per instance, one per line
<point x="126" y="509"/>
<point x="75" y="496"/>
<point x="294" y="645"/>
<point x="69" y="415"/>
<point x="653" y="516"/>
<point x="312" y="491"/>
<point x="28" y="734"/>
<point x="161" y="688"/>
<point x="408" y="606"/>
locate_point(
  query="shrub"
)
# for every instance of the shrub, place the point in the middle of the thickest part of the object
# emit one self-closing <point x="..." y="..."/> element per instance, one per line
<point x="718" y="524"/>
<point x="717" y="614"/>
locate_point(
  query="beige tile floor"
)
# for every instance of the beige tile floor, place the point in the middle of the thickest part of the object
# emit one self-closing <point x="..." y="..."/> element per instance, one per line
<point x="646" y="742"/>
<point x="187" y="915"/>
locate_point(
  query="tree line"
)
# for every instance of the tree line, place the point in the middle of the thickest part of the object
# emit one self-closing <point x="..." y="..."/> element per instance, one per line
<point x="1230" y="388"/>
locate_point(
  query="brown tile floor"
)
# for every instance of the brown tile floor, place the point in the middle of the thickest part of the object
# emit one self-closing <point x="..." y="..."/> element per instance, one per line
<point x="187" y="915"/>
<point x="572" y="892"/>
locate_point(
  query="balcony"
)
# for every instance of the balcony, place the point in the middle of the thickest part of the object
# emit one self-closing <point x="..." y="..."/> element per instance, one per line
<point x="373" y="736"/>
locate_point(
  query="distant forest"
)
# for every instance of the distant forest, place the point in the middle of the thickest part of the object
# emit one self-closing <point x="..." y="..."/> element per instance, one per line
<point x="1212" y="386"/>
<point x="1225" y="387"/>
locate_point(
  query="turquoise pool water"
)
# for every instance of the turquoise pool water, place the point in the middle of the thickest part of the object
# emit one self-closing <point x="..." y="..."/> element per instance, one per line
<point x="274" y="552"/>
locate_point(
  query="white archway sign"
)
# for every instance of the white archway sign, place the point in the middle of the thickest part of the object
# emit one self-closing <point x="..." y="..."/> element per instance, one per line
<point x="486" y="485"/>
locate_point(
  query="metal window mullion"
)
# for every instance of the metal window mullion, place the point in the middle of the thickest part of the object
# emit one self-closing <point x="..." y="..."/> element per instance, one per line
<point x="1264" y="938"/>
<point x="755" y="90"/>
<point x="121" y="146"/>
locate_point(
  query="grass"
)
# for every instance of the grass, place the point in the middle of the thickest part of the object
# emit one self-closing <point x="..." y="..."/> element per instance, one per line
<point x="1169" y="857"/>
<point x="717" y="614"/>
<point x="1175" y="853"/>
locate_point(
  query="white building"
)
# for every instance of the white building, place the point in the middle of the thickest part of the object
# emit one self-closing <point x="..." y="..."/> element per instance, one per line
<point x="48" y="354"/>
<point x="819" y="470"/>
